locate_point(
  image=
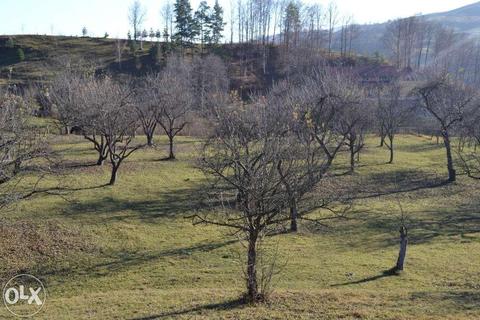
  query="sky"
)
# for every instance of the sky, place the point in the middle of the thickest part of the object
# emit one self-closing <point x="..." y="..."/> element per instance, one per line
<point x="68" y="17"/>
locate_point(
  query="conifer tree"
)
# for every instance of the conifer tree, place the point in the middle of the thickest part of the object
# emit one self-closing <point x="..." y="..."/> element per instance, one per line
<point x="217" y="23"/>
<point x="203" y="22"/>
<point x="184" y="22"/>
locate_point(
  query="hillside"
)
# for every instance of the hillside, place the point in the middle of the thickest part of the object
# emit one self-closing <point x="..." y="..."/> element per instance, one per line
<point x="41" y="50"/>
<point x="465" y="20"/>
<point x="244" y="62"/>
<point x="42" y="53"/>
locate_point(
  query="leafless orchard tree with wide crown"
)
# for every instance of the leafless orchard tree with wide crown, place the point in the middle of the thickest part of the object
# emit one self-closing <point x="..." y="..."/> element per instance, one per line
<point x="264" y="157"/>
<point x="319" y="119"/>
<point x="114" y="118"/>
<point x="392" y="111"/>
<point x="176" y="98"/>
<point x="357" y="120"/>
<point x="445" y="100"/>
<point x="69" y="95"/>
<point x="148" y="102"/>
<point x="242" y="157"/>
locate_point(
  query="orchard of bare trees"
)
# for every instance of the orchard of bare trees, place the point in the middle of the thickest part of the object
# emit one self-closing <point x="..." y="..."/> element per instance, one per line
<point x="270" y="158"/>
<point x="265" y="159"/>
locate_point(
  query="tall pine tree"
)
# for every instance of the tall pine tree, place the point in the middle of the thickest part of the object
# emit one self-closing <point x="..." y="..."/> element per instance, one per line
<point x="185" y="23"/>
<point x="203" y="21"/>
<point x="217" y="23"/>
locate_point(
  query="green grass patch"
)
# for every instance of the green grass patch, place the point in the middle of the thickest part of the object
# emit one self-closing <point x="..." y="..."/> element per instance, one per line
<point x="127" y="251"/>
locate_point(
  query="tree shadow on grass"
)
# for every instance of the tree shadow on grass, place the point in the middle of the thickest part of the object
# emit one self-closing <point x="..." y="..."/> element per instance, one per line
<point x="228" y="305"/>
<point x="63" y="192"/>
<point x="427" y="225"/>
<point x="122" y="260"/>
<point x="466" y="300"/>
<point x="76" y="164"/>
<point x="176" y="203"/>
<point x="420" y="147"/>
<point x="387" y="273"/>
<point x="398" y="182"/>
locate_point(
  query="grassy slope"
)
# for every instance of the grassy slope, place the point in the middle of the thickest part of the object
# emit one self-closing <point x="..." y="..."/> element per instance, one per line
<point x="144" y="260"/>
<point x="40" y="49"/>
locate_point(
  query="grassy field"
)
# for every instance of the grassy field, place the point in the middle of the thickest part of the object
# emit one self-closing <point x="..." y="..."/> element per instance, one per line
<point x="127" y="251"/>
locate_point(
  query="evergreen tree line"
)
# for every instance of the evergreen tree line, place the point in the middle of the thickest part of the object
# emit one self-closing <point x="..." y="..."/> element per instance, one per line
<point x="204" y="26"/>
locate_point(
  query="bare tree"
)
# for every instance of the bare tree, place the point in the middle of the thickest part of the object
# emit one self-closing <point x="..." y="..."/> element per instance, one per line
<point x="23" y="148"/>
<point x="393" y="110"/>
<point x="148" y="102"/>
<point x="242" y="158"/>
<point x="470" y="163"/>
<point x="469" y="158"/>
<point x="445" y="100"/>
<point x="136" y="16"/>
<point x="403" y="230"/>
<point x="167" y="15"/>
<point x="210" y="81"/>
<point x="112" y="117"/>
<point x="318" y="123"/>
<point x="62" y="97"/>
<point x="356" y="121"/>
<point x="73" y="109"/>
<point x="263" y="158"/>
<point x="400" y="38"/>
<point x="332" y="17"/>
<point x="176" y="99"/>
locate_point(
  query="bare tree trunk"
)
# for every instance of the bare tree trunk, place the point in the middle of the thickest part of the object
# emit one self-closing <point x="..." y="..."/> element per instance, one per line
<point x="382" y="137"/>
<point x="149" y="139"/>
<point x="99" y="146"/>
<point x="252" y="285"/>
<point x="102" y="156"/>
<point x="390" y="147"/>
<point x="452" y="175"/>
<point x="391" y="154"/>
<point x="113" y="176"/>
<point x="293" y="216"/>
<point x="403" y="248"/>
<point x="171" y="155"/>
<point x="352" y="157"/>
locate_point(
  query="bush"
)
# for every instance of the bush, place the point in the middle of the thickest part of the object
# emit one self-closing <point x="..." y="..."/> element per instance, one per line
<point x="20" y="54"/>
<point x="155" y="53"/>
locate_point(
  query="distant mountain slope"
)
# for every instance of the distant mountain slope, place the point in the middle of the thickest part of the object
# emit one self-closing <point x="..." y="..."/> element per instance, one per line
<point x="465" y="19"/>
<point x="472" y="10"/>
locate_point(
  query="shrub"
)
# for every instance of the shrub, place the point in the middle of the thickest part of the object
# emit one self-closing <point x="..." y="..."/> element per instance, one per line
<point x="20" y="54"/>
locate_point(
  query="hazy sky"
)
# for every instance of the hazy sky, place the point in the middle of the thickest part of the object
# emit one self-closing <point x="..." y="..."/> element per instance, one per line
<point x="68" y="17"/>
